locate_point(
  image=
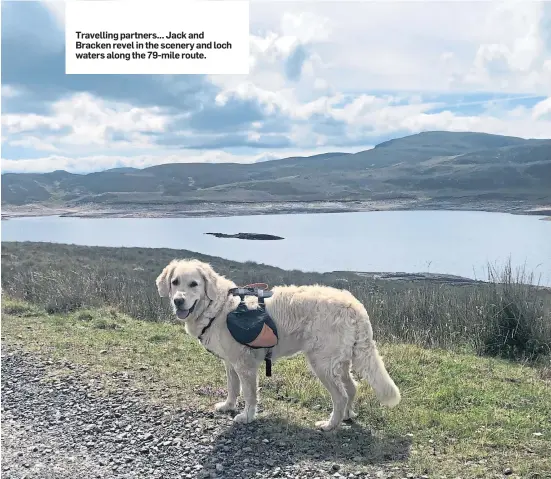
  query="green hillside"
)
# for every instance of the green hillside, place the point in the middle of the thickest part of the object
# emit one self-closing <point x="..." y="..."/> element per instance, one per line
<point x="431" y="164"/>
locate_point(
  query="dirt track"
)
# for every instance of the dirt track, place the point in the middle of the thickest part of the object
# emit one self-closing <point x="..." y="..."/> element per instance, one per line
<point x="58" y="426"/>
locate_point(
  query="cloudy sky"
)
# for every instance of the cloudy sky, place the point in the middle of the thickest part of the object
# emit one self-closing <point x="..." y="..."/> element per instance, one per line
<point x="325" y="76"/>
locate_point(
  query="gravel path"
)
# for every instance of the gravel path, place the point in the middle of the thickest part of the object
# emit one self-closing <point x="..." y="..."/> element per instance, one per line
<point x="69" y="428"/>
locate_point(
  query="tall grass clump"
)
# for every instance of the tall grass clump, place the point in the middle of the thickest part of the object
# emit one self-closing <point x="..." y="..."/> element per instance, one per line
<point x="67" y="290"/>
<point x="518" y="322"/>
<point x="507" y="316"/>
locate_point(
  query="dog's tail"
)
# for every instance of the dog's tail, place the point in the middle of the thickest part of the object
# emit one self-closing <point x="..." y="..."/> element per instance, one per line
<point x="367" y="362"/>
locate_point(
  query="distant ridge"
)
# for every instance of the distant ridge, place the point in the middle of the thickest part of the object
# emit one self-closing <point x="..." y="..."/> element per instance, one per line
<point x="435" y="164"/>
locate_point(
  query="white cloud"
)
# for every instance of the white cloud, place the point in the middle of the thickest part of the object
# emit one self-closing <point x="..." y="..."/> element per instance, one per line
<point x="352" y="52"/>
<point x="85" y="164"/>
<point x="356" y="47"/>
<point x="412" y="46"/>
<point x="371" y="45"/>
<point x="371" y="115"/>
<point x="425" y="46"/>
<point x="9" y="91"/>
<point x="35" y="143"/>
<point x="89" y="121"/>
<point x="85" y="124"/>
<point x="511" y="53"/>
<point x="284" y="101"/>
<point x="542" y="109"/>
<point x="306" y="27"/>
<point x="517" y="121"/>
<point x="57" y="9"/>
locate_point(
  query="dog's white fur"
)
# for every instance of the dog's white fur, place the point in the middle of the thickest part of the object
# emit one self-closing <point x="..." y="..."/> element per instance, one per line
<point x="330" y="326"/>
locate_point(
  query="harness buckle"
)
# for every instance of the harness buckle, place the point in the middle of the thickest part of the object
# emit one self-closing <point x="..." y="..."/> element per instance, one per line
<point x="252" y="290"/>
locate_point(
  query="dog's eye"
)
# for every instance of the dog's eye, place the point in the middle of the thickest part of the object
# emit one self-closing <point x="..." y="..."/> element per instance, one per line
<point x="175" y="281"/>
<point x="193" y="284"/>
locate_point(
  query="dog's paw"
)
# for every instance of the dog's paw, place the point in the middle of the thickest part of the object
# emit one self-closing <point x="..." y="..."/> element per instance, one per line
<point x="224" y="407"/>
<point x="350" y="415"/>
<point x="243" y="418"/>
<point x="325" y="425"/>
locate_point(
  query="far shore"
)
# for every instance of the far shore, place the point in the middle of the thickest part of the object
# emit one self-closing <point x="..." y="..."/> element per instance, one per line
<point x="196" y="210"/>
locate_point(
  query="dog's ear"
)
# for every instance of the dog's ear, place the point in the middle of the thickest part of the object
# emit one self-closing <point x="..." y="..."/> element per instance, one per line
<point x="210" y="279"/>
<point x="163" y="280"/>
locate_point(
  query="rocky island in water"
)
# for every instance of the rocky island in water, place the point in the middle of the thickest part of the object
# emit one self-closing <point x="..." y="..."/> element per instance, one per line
<point x="247" y="236"/>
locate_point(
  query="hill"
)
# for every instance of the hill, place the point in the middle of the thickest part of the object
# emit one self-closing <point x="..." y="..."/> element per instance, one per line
<point x="435" y="165"/>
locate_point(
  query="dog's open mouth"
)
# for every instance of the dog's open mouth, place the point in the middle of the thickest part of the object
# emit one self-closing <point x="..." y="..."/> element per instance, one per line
<point x="184" y="313"/>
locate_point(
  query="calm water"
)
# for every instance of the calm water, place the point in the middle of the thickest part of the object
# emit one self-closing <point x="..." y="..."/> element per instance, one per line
<point x="452" y="242"/>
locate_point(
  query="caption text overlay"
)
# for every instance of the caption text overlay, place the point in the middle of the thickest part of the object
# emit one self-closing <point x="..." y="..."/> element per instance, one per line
<point x="192" y="37"/>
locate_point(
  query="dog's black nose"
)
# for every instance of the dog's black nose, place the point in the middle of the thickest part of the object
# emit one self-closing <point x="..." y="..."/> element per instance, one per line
<point x="179" y="302"/>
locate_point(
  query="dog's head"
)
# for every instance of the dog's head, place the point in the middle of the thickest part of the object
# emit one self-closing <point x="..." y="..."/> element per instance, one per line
<point x="190" y="285"/>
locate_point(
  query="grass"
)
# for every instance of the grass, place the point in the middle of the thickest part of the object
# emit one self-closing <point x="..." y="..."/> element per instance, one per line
<point x="461" y="415"/>
<point x="504" y="317"/>
<point x="472" y="361"/>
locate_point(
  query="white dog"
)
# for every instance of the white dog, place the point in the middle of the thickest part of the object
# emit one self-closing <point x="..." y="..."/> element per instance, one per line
<point x="330" y="326"/>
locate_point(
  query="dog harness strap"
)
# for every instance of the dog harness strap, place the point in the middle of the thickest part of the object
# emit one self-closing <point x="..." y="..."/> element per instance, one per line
<point x="205" y="328"/>
<point x="268" y="360"/>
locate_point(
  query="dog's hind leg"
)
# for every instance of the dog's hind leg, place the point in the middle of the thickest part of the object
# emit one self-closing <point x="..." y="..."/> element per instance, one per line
<point x="332" y="381"/>
<point x="233" y="390"/>
<point x="350" y="386"/>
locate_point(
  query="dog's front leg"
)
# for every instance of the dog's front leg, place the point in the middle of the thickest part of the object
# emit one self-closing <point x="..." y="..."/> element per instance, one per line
<point x="249" y="387"/>
<point x="233" y="390"/>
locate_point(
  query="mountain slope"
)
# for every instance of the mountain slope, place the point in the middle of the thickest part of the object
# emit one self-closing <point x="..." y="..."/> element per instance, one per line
<point x="431" y="164"/>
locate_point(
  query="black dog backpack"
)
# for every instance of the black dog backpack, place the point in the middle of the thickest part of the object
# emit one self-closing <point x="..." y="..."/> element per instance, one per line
<point x="253" y="327"/>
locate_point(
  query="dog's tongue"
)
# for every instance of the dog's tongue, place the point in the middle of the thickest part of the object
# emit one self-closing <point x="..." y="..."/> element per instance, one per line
<point x="182" y="313"/>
